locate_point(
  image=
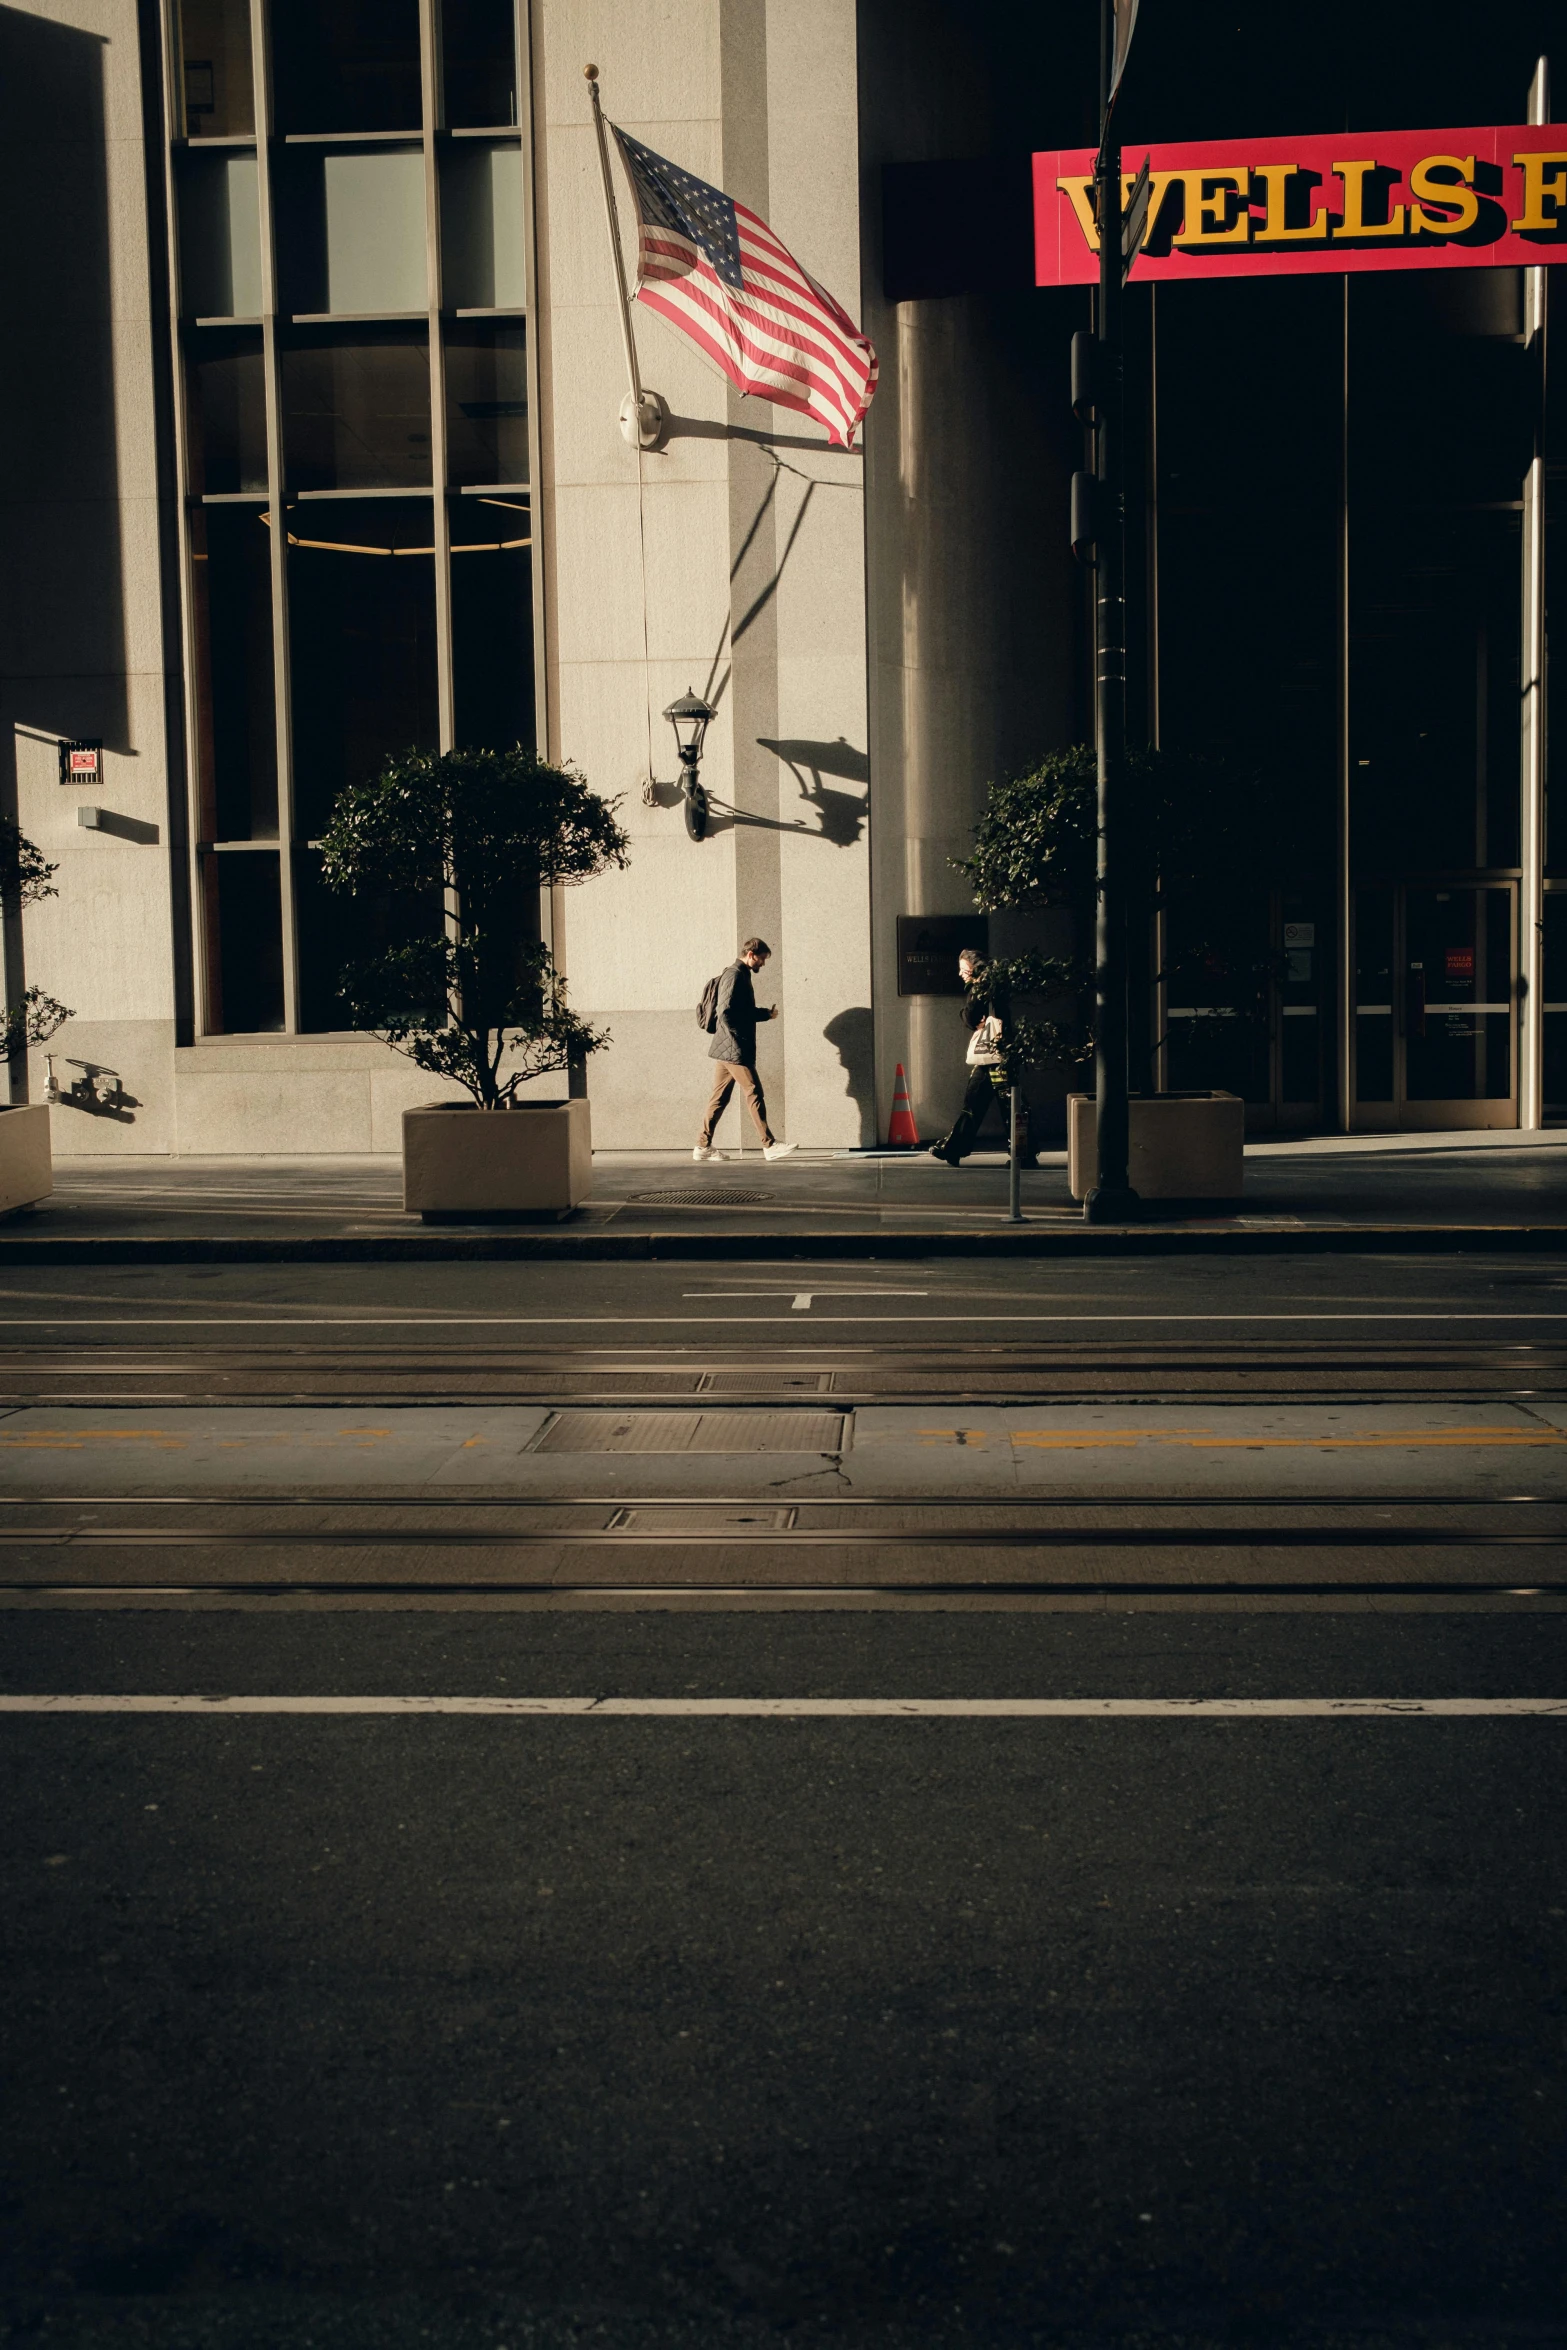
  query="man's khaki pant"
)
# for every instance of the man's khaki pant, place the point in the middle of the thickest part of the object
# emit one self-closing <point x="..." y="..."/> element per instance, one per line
<point x="726" y="1076"/>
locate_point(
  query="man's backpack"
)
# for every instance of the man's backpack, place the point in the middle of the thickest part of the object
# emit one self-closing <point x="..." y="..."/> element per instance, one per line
<point x="707" y="1009"/>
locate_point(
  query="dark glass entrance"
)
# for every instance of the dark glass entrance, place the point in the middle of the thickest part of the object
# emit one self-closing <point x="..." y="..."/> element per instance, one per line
<point x="1435" y="1009"/>
<point x="1253" y="1018"/>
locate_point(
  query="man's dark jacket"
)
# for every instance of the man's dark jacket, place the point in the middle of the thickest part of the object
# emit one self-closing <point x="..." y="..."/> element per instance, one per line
<point x="734" y="1039"/>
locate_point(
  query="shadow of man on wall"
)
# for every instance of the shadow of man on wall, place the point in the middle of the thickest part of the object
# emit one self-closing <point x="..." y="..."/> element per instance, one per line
<point x="852" y="1036"/>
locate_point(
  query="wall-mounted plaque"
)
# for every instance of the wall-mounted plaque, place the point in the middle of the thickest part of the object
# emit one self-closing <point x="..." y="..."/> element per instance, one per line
<point x="928" y="949"/>
<point x="81" y="761"/>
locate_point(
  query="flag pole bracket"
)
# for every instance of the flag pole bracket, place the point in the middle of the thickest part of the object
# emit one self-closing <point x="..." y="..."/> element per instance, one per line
<point x="644" y="419"/>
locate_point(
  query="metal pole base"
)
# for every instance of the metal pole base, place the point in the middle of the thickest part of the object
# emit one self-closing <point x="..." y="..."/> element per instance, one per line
<point x="696" y="809"/>
<point x="644" y="422"/>
<point x="1112" y="1207"/>
<point x="1014" y="1157"/>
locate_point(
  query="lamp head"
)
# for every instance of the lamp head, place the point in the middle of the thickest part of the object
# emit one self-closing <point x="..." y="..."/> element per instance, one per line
<point x="689" y="717"/>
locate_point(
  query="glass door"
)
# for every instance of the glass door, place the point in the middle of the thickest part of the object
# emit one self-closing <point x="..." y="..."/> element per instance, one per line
<point x="1434" y="1006"/>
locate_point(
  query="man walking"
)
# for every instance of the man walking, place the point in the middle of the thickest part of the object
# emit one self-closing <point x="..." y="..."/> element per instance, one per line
<point x="734" y="1049"/>
<point x="985" y="1014"/>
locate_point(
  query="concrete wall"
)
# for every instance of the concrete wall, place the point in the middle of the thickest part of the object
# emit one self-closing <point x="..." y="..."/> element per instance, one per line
<point x="731" y="562"/>
<point x="82" y="606"/>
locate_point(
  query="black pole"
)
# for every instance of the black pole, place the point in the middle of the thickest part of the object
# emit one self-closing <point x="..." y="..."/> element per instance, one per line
<point x="1112" y="1200"/>
<point x="1014" y="1156"/>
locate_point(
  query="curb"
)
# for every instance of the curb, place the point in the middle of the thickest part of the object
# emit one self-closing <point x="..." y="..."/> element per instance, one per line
<point x="425" y="1248"/>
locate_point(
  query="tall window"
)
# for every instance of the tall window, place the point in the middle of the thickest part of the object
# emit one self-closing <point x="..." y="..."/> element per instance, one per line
<point x="355" y="444"/>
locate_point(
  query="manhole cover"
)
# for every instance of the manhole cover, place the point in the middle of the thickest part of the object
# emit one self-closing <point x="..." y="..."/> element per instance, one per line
<point x="701" y="1521"/>
<point x="741" y="1431"/>
<point x="694" y="1197"/>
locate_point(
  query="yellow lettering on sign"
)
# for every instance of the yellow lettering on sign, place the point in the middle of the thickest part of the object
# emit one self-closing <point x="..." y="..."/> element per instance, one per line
<point x="1544" y="183"/>
<point x="1075" y="191"/>
<point x="1275" y="178"/>
<point x="1215" y="207"/>
<point x="1354" y="222"/>
<point x="1456" y="192"/>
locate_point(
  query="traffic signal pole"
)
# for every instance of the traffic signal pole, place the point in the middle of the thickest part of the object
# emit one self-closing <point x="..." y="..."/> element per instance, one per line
<point x="1112" y="1200"/>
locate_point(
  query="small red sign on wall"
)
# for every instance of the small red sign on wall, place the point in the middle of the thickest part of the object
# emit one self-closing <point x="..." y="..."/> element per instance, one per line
<point x="1478" y="199"/>
<point x="81" y="761"/>
<point x="1459" y="962"/>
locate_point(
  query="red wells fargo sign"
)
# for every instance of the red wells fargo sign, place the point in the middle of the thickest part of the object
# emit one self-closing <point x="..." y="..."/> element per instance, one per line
<point x="1482" y="199"/>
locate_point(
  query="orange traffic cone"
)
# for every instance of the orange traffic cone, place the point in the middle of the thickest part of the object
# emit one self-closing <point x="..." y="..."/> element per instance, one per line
<point x="901" y="1128"/>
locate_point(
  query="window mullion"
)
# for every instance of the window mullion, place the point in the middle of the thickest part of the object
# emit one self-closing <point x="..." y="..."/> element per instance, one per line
<point x="261" y="64"/>
<point x="534" y="364"/>
<point x="195" y="780"/>
<point x="434" y="123"/>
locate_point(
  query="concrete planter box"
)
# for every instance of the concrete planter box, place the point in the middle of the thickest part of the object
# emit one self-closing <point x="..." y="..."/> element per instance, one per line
<point x="1184" y="1146"/>
<point x="26" y="1163"/>
<point x="459" y="1160"/>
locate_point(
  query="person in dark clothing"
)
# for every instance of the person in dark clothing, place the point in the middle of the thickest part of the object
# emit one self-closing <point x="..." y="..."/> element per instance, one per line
<point x="734" y="1049"/>
<point x="985" y="1013"/>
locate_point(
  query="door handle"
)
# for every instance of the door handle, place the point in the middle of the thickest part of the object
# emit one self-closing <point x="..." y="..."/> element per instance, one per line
<point x="1415" y="1000"/>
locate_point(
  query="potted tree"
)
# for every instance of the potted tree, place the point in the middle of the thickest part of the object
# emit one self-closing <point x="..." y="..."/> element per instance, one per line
<point x="461" y="843"/>
<point x="26" y="1163"/>
<point x="1194" y="851"/>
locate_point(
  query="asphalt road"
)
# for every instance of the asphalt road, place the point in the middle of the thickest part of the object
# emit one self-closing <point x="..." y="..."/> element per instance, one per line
<point x="329" y="2031"/>
<point x="697" y="2031"/>
<point x="948" y="1300"/>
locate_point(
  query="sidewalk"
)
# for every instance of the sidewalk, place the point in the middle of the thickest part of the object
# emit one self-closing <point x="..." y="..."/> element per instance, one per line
<point x="1483" y="1190"/>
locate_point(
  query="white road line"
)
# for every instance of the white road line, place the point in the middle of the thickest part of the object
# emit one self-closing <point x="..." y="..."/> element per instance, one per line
<point x="800" y="1708"/>
<point x="662" y="1321"/>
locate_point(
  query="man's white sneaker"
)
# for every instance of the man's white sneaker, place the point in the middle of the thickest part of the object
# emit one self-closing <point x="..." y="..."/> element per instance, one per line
<point x="702" y="1152"/>
<point x="778" y="1150"/>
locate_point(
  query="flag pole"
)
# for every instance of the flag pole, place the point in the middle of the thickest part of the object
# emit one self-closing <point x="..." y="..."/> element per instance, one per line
<point x="644" y="419"/>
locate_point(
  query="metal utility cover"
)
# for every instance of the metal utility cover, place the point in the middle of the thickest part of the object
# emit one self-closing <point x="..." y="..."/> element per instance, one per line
<point x="726" y="1195"/>
<point x="695" y="1432"/>
<point x="702" y="1521"/>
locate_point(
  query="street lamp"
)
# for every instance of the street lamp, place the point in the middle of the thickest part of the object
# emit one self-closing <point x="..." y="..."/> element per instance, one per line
<point x="689" y="717"/>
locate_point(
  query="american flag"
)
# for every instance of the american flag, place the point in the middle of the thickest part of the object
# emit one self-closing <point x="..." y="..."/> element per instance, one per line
<point x="716" y="271"/>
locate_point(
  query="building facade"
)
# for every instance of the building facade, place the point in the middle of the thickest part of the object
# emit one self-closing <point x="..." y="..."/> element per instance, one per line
<point x="313" y="453"/>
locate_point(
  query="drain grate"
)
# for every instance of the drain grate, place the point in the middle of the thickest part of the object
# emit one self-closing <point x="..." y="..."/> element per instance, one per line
<point x="701" y="1521"/>
<point x="695" y="1196"/>
<point x="610" y="1431"/>
<point x="766" y="1382"/>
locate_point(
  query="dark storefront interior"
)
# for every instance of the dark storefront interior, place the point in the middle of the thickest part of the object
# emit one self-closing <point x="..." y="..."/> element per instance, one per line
<point x="1325" y="540"/>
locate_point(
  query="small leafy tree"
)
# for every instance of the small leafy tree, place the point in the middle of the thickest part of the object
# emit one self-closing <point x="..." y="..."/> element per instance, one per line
<point x="472" y="837"/>
<point x="1197" y="838"/>
<point x="25" y="878"/>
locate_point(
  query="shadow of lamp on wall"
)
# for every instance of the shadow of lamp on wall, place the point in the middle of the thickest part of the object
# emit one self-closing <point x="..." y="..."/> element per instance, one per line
<point x="99" y="1090"/>
<point x="840" y="815"/>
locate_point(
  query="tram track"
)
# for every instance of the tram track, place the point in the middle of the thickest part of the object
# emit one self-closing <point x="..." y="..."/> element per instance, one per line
<point x="397" y="1543"/>
<point x="859" y="1522"/>
<point x="696" y="1548"/>
<point x="1144" y="1371"/>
